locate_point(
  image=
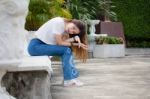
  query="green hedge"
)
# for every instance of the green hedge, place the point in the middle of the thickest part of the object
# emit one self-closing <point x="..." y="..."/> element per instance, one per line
<point x="108" y="40"/>
<point x="135" y="15"/>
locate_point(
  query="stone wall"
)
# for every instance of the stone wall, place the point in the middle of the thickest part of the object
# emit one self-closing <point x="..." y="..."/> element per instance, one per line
<point x="28" y="85"/>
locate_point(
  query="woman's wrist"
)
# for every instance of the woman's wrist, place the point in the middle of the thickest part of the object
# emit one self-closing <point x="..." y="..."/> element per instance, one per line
<point x="75" y="44"/>
<point x="70" y="39"/>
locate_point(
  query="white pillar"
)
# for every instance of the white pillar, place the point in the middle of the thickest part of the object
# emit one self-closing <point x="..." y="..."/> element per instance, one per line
<point x="12" y="36"/>
<point x="92" y="24"/>
<point x="92" y="31"/>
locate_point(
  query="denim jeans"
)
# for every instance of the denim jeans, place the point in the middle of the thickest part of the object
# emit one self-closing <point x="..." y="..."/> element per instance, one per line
<point x="38" y="48"/>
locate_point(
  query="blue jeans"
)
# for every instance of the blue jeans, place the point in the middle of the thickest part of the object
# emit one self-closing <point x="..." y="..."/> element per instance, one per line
<point x="38" y="48"/>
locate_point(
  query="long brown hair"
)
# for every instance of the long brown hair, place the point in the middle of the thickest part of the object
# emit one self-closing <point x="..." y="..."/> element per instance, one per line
<point x="80" y="53"/>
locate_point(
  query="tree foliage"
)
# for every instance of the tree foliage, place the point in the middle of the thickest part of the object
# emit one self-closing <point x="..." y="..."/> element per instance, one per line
<point x="134" y="14"/>
<point x="41" y="11"/>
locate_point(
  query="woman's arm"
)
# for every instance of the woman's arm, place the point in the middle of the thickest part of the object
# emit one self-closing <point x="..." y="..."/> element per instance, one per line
<point x="65" y="37"/>
<point x="70" y="39"/>
<point x="61" y="41"/>
<point x="65" y="40"/>
<point x="68" y="42"/>
<point x="85" y="47"/>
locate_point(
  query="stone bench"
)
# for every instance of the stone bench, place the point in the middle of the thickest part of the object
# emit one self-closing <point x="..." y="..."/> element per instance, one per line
<point x="27" y="78"/>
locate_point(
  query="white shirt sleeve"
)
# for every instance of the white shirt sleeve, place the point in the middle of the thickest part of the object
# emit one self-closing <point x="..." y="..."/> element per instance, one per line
<point x="47" y="31"/>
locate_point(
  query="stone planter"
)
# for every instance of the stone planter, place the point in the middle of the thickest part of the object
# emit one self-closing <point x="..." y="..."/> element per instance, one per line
<point x="109" y="50"/>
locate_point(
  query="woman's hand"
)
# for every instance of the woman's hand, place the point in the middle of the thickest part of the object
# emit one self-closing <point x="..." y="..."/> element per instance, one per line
<point x="85" y="47"/>
<point x="77" y="39"/>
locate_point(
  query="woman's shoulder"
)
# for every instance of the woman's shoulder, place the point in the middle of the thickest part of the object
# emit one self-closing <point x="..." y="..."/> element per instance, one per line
<point x="57" y="19"/>
<point x="53" y="23"/>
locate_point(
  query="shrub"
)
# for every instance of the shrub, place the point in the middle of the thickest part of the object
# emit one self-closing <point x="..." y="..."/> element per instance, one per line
<point x="108" y="40"/>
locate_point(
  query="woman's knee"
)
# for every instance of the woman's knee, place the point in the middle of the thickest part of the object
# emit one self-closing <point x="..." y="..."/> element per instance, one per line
<point x="31" y="46"/>
<point x="67" y="50"/>
<point x="31" y="49"/>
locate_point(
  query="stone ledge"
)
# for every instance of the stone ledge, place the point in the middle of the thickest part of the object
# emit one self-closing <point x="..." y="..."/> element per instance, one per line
<point x="137" y="51"/>
<point x="31" y="63"/>
<point x="35" y="63"/>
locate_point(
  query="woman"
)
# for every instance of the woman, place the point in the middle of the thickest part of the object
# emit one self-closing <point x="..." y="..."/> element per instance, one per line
<point x="59" y="37"/>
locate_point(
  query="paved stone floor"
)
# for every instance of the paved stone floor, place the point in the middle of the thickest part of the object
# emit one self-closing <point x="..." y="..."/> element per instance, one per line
<point x="110" y="78"/>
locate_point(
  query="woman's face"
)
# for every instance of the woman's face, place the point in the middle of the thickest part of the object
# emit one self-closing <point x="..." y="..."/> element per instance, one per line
<point x="71" y="28"/>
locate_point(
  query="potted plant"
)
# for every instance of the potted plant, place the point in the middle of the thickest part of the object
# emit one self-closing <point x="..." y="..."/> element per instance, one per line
<point x="108" y="46"/>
